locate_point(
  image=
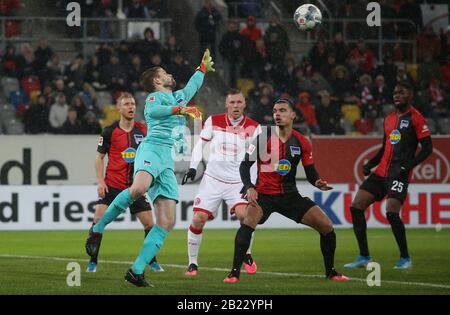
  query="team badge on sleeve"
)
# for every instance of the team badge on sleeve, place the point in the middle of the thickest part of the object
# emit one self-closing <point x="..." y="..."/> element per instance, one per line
<point x="151" y="98"/>
<point x="100" y="141"/>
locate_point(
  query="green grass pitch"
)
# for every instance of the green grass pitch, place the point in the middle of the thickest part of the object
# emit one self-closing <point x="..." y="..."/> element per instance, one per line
<point x="289" y="262"/>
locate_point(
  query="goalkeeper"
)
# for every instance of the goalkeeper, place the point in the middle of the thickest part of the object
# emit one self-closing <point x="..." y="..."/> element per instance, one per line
<point x="164" y="113"/>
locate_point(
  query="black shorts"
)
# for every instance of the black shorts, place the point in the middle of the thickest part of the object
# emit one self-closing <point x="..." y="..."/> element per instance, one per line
<point x="290" y="205"/>
<point x="139" y="205"/>
<point x="393" y="187"/>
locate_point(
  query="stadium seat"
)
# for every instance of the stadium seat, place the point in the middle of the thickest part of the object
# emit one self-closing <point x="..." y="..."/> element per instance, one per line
<point x="364" y="126"/>
<point x="351" y="112"/>
<point x="7" y="112"/>
<point x="245" y="85"/>
<point x="9" y="85"/>
<point x="30" y="84"/>
<point x="14" y="127"/>
<point x="432" y="126"/>
<point x="387" y="109"/>
<point x="18" y="98"/>
<point x="104" y="99"/>
<point x="411" y="69"/>
<point x="140" y="98"/>
<point x="444" y="125"/>
<point x="348" y="126"/>
<point x="111" y="114"/>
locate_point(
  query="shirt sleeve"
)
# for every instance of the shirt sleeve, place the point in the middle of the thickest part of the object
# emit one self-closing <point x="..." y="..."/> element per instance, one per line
<point x="194" y="84"/>
<point x="307" y="156"/>
<point x="420" y="127"/>
<point x="104" y="142"/>
<point x="207" y="132"/>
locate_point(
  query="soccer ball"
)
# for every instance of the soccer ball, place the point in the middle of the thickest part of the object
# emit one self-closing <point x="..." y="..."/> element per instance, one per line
<point x="307" y="16"/>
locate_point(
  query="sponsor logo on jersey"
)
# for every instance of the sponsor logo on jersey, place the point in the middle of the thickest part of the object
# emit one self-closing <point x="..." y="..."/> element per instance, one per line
<point x="138" y="138"/>
<point x="295" y="151"/>
<point x="128" y="155"/>
<point x="425" y="128"/>
<point x="100" y="141"/>
<point x="181" y="102"/>
<point x="147" y="163"/>
<point x="404" y="124"/>
<point x="197" y="201"/>
<point x="283" y="167"/>
<point x="395" y="136"/>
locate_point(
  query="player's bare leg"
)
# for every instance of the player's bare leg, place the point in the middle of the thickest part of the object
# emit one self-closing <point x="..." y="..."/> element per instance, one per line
<point x="242" y="240"/>
<point x="146" y="219"/>
<point x="318" y="220"/>
<point x="249" y="264"/>
<point x="195" y="236"/>
<point x="362" y="201"/>
<point x="393" y="207"/>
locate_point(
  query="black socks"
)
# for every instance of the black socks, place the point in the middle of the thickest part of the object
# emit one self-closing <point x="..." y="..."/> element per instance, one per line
<point x="398" y="228"/>
<point x="360" y="229"/>
<point x="241" y="244"/>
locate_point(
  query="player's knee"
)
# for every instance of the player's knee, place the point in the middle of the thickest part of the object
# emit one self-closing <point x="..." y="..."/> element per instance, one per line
<point x="326" y="227"/>
<point x="137" y="191"/>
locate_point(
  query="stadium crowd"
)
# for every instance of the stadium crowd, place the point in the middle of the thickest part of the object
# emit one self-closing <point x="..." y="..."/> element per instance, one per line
<point x="338" y="87"/>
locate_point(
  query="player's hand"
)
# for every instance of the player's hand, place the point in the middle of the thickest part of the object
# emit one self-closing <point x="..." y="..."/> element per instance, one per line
<point x="191" y="111"/>
<point x="252" y="196"/>
<point x="207" y="63"/>
<point x="190" y="174"/>
<point x="322" y="185"/>
<point x="102" y="189"/>
<point x="366" y="169"/>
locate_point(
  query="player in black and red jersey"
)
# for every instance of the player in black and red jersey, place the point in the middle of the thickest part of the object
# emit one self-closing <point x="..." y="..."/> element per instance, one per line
<point x="120" y="141"/>
<point x="404" y="129"/>
<point x="278" y="153"/>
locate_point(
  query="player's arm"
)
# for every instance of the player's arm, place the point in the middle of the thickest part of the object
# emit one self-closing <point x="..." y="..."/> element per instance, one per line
<point x="195" y="82"/>
<point x="312" y="175"/>
<point x="156" y="111"/>
<point x="251" y="156"/>
<point x="197" y="152"/>
<point x="424" y="136"/>
<point x="102" y="188"/>
<point x="375" y="160"/>
<point x="104" y="143"/>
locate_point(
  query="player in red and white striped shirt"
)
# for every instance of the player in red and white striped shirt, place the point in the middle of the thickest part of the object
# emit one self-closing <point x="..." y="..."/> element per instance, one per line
<point x="229" y="135"/>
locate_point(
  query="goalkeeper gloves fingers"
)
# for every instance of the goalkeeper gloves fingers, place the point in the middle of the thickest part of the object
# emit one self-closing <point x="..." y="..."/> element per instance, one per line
<point x="207" y="63"/>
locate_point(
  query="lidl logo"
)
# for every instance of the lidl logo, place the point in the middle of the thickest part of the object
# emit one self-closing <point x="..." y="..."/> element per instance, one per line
<point x="283" y="167"/>
<point x="128" y="155"/>
<point x="395" y="136"/>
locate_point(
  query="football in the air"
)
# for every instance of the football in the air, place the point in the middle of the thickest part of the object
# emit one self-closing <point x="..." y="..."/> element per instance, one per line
<point x="307" y="17"/>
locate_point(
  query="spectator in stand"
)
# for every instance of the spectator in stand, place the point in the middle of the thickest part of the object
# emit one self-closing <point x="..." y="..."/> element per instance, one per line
<point x="108" y="9"/>
<point x="58" y="113"/>
<point x="91" y="125"/>
<point x="276" y="41"/>
<point x="262" y="111"/>
<point x="10" y="62"/>
<point x="445" y="41"/>
<point x="318" y="54"/>
<point x="306" y="108"/>
<point x="428" y="70"/>
<point x="445" y="74"/>
<point x="389" y="71"/>
<point x="301" y="83"/>
<point x="328" y="115"/>
<point x="388" y="12"/>
<point x="320" y="83"/>
<point x="327" y="68"/>
<point x="76" y="74"/>
<point x="124" y="54"/>
<point x="104" y="52"/>
<point x="43" y="54"/>
<point x="114" y="75"/>
<point x="252" y="32"/>
<point x="134" y="72"/>
<point x="364" y="56"/>
<point x="381" y="93"/>
<point x="342" y="87"/>
<point x="27" y="61"/>
<point x="36" y="117"/>
<point x="206" y="23"/>
<point x="158" y="9"/>
<point x="251" y="8"/>
<point x="72" y="125"/>
<point x="340" y="48"/>
<point x="403" y="76"/>
<point x="93" y="69"/>
<point x="255" y="94"/>
<point x="364" y="126"/>
<point x="55" y="69"/>
<point x="170" y="50"/>
<point x="231" y="48"/>
<point x="79" y="105"/>
<point x="366" y="97"/>
<point x="135" y="10"/>
<point x="60" y="87"/>
<point x="351" y="9"/>
<point x="428" y="43"/>
<point x="147" y="47"/>
<point x="180" y="70"/>
<point x="410" y="10"/>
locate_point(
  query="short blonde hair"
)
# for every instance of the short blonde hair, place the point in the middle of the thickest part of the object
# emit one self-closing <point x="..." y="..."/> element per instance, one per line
<point x="124" y="95"/>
